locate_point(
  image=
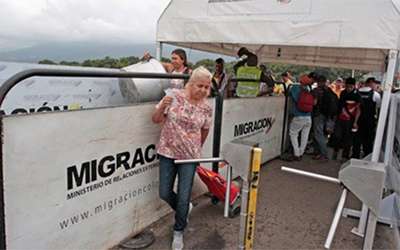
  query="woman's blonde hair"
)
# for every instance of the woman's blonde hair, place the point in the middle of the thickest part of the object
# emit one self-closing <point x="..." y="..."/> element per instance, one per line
<point x="199" y="73"/>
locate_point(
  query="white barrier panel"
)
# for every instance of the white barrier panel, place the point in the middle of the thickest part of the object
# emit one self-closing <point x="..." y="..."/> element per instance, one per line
<point x="80" y="179"/>
<point x="255" y="119"/>
<point x="89" y="178"/>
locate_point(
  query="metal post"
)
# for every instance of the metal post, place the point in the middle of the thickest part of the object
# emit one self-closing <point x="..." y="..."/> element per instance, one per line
<point x="312" y="175"/>
<point x="243" y="213"/>
<point x="252" y="204"/>
<point x="371" y="226"/>
<point x="285" y="117"/>
<point x="159" y="51"/>
<point x="360" y="229"/>
<point x="219" y="105"/>
<point x="201" y="160"/>
<point x="390" y="131"/>
<point x="336" y="219"/>
<point x="353" y="73"/>
<point x="228" y="190"/>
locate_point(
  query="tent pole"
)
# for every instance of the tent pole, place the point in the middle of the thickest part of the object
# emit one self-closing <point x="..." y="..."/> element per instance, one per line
<point x="159" y="51"/>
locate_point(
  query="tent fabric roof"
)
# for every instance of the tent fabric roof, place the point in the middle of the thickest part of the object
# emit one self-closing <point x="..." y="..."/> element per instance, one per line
<point x="342" y="33"/>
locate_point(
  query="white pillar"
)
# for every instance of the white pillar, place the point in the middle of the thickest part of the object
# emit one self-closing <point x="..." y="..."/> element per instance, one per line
<point x="159" y="51"/>
<point x="387" y="87"/>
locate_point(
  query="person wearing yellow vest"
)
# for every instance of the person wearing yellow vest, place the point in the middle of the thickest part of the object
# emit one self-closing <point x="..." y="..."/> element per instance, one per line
<point x="248" y="88"/>
<point x="247" y="69"/>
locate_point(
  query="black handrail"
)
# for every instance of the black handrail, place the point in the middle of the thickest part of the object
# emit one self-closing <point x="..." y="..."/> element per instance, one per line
<point x="15" y="79"/>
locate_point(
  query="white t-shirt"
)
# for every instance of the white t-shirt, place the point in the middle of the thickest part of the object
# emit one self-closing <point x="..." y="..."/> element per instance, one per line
<point x="178" y="83"/>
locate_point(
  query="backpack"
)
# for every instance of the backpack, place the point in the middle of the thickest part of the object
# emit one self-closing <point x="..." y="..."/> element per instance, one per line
<point x="305" y="103"/>
<point x="330" y="103"/>
<point x="368" y="106"/>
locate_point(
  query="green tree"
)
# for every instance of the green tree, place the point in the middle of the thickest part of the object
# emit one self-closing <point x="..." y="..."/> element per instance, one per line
<point x="47" y="61"/>
<point x="207" y="63"/>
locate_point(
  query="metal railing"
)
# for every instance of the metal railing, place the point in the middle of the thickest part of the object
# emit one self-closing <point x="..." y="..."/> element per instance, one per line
<point x="15" y="79"/>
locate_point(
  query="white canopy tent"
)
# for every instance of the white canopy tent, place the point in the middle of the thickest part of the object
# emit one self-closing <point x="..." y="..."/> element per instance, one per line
<point x="354" y="34"/>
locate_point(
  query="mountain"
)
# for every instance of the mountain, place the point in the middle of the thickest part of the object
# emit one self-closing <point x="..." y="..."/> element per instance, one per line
<point x="85" y="50"/>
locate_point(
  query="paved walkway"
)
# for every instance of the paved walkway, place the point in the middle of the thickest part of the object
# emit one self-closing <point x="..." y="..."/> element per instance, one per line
<point x="293" y="212"/>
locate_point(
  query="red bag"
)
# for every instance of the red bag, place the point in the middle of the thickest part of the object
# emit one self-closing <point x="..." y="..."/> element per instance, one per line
<point x="305" y="103"/>
<point x="216" y="184"/>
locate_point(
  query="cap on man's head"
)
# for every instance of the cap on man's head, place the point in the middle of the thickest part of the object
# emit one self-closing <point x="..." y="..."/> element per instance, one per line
<point x="339" y="79"/>
<point x="243" y="51"/>
<point x="305" y="80"/>
<point x="370" y="80"/>
<point x="312" y="75"/>
<point x="351" y="81"/>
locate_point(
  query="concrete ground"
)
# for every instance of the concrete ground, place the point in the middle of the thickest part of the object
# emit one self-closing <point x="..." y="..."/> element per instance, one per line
<point x="293" y="212"/>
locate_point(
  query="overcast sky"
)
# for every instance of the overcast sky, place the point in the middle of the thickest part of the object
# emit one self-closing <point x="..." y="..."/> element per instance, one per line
<point x="24" y="23"/>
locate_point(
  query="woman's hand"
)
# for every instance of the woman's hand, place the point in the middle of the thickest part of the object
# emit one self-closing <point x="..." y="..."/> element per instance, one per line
<point x="159" y="113"/>
<point x="166" y="102"/>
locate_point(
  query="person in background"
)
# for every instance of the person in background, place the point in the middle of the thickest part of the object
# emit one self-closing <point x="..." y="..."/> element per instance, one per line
<point x="287" y="78"/>
<point x="220" y="79"/>
<point x="301" y="122"/>
<point x="378" y="87"/>
<point x="267" y="86"/>
<point x="371" y="101"/>
<point x="246" y="68"/>
<point x="185" y="118"/>
<point x="338" y="86"/>
<point x="313" y="76"/>
<point x="347" y="121"/>
<point x="178" y="65"/>
<point x="279" y="89"/>
<point x="360" y="84"/>
<point x="324" y="110"/>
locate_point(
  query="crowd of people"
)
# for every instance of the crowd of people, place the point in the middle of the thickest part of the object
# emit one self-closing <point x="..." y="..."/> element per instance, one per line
<point x="341" y="115"/>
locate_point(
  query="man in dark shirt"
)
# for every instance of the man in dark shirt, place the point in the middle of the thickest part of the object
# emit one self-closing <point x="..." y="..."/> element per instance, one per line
<point x="324" y="109"/>
<point x="220" y="79"/>
<point x="367" y="123"/>
<point x="347" y="121"/>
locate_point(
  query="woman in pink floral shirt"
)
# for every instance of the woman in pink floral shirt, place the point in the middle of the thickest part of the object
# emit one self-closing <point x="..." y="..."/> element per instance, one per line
<point x="185" y="117"/>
